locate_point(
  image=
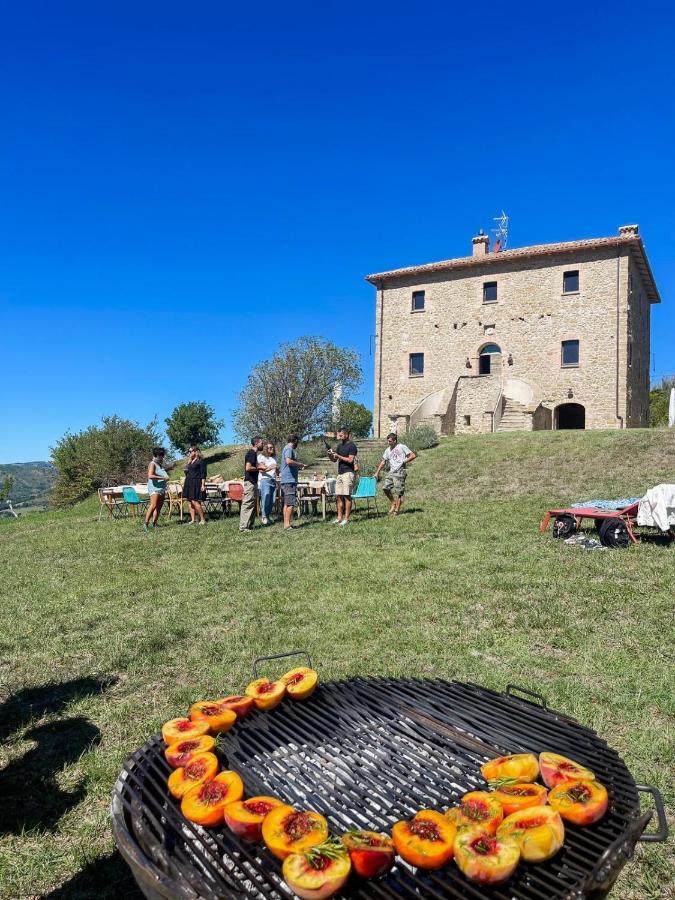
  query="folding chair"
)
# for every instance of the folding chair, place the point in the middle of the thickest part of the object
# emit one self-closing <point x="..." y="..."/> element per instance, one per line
<point x="174" y="494"/>
<point x="367" y="490"/>
<point x="235" y="494"/>
<point x="308" y="500"/>
<point x="214" y="500"/>
<point x="132" y="500"/>
<point x="111" y="503"/>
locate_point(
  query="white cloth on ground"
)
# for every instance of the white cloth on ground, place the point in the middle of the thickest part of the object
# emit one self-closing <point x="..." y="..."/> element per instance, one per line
<point x="657" y="507"/>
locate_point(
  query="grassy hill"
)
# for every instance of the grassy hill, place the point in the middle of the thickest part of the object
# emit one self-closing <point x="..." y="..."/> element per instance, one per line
<point x="106" y="632"/>
<point x="33" y="482"/>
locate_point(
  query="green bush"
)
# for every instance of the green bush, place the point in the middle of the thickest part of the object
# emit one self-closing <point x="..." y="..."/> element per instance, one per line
<point x="423" y="437"/>
<point x="193" y="423"/>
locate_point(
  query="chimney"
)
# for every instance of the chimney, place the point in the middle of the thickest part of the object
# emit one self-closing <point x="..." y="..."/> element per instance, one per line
<point x="629" y="230"/>
<point x="481" y="244"/>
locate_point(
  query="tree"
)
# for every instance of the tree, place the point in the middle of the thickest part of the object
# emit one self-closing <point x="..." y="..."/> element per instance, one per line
<point x="193" y="423"/>
<point x="115" y="452"/>
<point x="659" y="398"/>
<point x="354" y="416"/>
<point x="293" y="391"/>
<point x="5" y="489"/>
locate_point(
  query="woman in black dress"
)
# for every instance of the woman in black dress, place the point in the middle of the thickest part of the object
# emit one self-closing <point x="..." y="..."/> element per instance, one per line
<point x="194" y="487"/>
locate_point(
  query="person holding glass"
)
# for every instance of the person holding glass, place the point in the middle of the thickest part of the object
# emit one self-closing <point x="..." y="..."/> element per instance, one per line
<point x="157" y="479"/>
<point x="267" y="480"/>
<point x="194" y="486"/>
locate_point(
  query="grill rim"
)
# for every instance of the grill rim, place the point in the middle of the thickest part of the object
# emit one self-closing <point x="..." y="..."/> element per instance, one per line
<point x="614" y="855"/>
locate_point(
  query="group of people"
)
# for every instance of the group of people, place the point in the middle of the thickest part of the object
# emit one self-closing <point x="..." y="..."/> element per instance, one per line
<point x="265" y="476"/>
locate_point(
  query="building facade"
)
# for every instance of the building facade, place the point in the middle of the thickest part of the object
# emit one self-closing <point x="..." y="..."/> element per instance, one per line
<point x="550" y="336"/>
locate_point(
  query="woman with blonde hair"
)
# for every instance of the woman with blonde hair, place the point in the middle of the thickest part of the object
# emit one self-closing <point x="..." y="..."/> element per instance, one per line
<point x="194" y="487"/>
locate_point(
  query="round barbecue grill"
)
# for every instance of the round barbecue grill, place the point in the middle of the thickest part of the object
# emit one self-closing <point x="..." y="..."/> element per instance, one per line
<point x="365" y="753"/>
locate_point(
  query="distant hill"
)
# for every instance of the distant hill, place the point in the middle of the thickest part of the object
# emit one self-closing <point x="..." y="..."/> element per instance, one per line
<point x="33" y="482"/>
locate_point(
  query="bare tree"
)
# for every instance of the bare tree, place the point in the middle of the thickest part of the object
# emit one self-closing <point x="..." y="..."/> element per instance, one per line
<point x="293" y="391"/>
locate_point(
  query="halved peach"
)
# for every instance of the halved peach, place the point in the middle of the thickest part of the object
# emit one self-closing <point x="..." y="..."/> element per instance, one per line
<point x="511" y="769"/>
<point x="477" y="808"/>
<point x="287" y="830"/>
<point x="239" y="704"/>
<point x="180" y="753"/>
<point x="555" y="769"/>
<point x="201" y="768"/>
<point x="181" y="729"/>
<point x="514" y="797"/>
<point x="205" y="804"/>
<point x="220" y="718"/>
<point x="300" y="682"/>
<point x="426" y="840"/>
<point x="486" y="858"/>
<point x="580" y="801"/>
<point x="538" y="831"/>
<point x="266" y="694"/>
<point x="371" y="854"/>
<point x="317" y="873"/>
<point x="245" y="817"/>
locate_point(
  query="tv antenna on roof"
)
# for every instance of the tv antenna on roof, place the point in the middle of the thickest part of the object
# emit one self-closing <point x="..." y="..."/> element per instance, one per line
<point x="501" y="232"/>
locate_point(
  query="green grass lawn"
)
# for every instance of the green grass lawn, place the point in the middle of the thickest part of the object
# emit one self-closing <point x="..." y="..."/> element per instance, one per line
<point x="106" y="632"/>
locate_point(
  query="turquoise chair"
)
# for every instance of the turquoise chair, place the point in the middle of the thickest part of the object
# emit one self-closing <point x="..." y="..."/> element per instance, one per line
<point x="367" y="490"/>
<point x="132" y="500"/>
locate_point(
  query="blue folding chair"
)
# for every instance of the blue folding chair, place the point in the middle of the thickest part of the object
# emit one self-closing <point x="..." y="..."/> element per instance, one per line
<point x="367" y="490"/>
<point x="132" y="500"/>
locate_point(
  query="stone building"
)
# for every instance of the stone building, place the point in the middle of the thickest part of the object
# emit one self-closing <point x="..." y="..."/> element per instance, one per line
<point x="550" y="336"/>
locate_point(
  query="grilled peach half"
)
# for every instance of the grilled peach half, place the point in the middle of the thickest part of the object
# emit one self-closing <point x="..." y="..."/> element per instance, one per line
<point x="538" y="831"/>
<point x="486" y="858"/>
<point x="371" y="854"/>
<point x="181" y="729"/>
<point x="245" y="817"/>
<point x="581" y="802"/>
<point x="514" y="797"/>
<point x="220" y="719"/>
<point x="201" y="768"/>
<point x="287" y="830"/>
<point x="426" y="840"/>
<point x="511" y="769"/>
<point x="317" y="873"/>
<point x="205" y="804"/>
<point x="239" y="704"/>
<point x="300" y="682"/>
<point x="266" y="694"/>
<point x="477" y="808"/>
<point x="555" y="769"/>
<point x="180" y="753"/>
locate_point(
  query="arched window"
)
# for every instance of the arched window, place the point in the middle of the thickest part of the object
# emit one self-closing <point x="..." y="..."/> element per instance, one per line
<point x="485" y="358"/>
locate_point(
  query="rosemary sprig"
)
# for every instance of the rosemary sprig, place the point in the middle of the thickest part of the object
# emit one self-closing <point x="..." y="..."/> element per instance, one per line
<point x="501" y="782"/>
<point x="331" y="848"/>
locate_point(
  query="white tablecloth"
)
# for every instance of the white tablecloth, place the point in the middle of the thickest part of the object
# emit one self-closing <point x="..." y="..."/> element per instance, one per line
<point x="657" y="507"/>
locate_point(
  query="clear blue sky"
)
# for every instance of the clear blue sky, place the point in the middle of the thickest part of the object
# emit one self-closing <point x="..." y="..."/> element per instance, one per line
<point x="185" y="185"/>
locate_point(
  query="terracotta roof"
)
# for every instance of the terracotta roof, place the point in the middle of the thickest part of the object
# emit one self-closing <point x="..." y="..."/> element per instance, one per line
<point x="632" y="241"/>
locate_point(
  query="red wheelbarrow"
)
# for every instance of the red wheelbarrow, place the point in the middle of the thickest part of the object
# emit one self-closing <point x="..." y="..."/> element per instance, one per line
<point x="615" y="526"/>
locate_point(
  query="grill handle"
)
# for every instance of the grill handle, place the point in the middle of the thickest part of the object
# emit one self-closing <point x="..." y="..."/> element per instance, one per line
<point x="510" y="692"/>
<point x="281" y="656"/>
<point x="662" y="833"/>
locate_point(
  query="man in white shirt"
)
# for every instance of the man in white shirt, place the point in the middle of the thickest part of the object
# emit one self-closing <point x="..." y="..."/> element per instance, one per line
<point x="398" y="456"/>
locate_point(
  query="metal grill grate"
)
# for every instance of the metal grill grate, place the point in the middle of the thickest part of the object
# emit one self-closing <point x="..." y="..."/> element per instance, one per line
<point x="365" y="753"/>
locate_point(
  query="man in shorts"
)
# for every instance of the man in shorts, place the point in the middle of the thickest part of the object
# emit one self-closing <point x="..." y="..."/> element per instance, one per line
<point x="398" y="456"/>
<point x="290" y="466"/>
<point x="345" y="456"/>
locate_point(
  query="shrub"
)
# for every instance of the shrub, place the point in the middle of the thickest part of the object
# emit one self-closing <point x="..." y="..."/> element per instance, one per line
<point x="423" y="437"/>
<point x="354" y="416"/>
<point x="115" y="452"/>
<point x="193" y="423"/>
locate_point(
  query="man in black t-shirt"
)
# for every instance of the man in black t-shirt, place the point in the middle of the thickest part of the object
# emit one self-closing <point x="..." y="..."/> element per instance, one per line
<point x="345" y="457"/>
<point x="248" y="504"/>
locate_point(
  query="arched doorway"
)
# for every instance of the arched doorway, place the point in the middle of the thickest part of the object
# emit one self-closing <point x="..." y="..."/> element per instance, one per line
<point x="570" y="415"/>
<point x="485" y="362"/>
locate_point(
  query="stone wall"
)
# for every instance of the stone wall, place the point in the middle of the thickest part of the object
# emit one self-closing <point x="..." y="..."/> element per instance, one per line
<point x="529" y="320"/>
<point x="637" y="351"/>
<point x="475" y="403"/>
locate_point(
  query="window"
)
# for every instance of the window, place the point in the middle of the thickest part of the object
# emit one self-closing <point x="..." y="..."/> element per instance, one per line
<point x="571" y="282"/>
<point x="467" y="420"/>
<point x="570" y="353"/>
<point x="418" y="301"/>
<point x="489" y="292"/>
<point x="417" y="363"/>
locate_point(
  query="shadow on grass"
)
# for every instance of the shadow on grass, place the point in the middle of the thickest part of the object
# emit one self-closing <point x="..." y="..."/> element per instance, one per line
<point x="30" y="795"/>
<point x="108" y="878"/>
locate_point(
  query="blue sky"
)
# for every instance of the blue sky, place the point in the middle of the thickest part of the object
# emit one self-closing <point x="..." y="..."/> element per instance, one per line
<point x="183" y="186"/>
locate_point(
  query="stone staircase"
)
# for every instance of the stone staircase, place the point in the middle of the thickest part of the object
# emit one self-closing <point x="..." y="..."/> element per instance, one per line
<point x="514" y="417"/>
